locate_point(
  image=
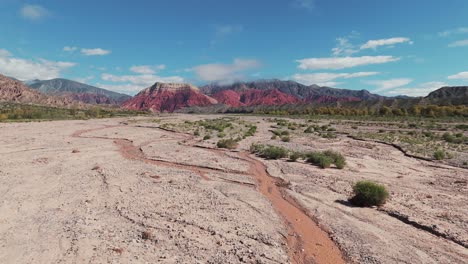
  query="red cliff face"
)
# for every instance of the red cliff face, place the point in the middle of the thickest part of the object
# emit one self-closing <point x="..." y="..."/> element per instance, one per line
<point x="168" y="97"/>
<point x="252" y="97"/>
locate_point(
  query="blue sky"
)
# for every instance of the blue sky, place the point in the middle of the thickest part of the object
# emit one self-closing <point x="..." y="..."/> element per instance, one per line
<point x="388" y="47"/>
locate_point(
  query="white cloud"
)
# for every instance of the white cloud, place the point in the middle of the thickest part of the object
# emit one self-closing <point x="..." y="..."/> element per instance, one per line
<point x="225" y="72"/>
<point x="130" y="89"/>
<point x="4" y="53"/>
<point x="24" y="69"/>
<point x="460" y="43"/>
<point x="147" y="69"/>
<point x="373" y="44"/>
<point x="134" y="83"/>
<point x="344" y="47"/>
<point x="33" y="12"/>
<point x="327" y="79"/>
<point x="70" y="48"/>
<point x="305" y="4"/>
<point x="460" y="30"/>
<point x="95" y="52"/>
<point x="384" y="85"/>
<point x="421" y="90"/>
<point x="459" y="76"/>
<point x="342" y="62"/>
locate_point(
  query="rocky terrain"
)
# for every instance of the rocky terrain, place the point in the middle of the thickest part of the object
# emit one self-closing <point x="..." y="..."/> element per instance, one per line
<point x="146" y="190"/>
<point x="78" y="91"/>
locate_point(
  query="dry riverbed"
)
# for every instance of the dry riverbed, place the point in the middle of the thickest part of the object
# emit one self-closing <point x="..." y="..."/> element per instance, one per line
<point x="146" y="190"/>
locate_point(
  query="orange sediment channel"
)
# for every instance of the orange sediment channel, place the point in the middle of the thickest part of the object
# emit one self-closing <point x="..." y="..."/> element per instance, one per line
<point x="307" y="242"/>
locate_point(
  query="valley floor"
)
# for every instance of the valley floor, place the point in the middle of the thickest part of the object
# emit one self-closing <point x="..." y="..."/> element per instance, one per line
<point x="133" y="191"/>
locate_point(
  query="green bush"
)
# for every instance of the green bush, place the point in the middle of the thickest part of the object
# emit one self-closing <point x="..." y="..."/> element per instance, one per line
<point x="325" y="162"/>
<point x="337" y="158"/>
<point x="326" y="158"/>
<point x="368" y="193"/>
<point x="295" y="155"/>
<point x="269" y="152"/>
<point x="206" y="137"/>
<point x="256" y="148"/>
<point x="227" y="143"/>
<point x="310" y="129"/>
<point x="221" y="134"/>
<point x="439" y="155"/>
<point x="285" y="138"/>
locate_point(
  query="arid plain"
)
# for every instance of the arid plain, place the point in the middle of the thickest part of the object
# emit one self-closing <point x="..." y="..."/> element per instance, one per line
<point x="158" y="190"/>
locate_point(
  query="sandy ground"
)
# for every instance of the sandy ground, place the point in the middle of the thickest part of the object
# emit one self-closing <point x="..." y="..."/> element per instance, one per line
<point x="109" y="191"/>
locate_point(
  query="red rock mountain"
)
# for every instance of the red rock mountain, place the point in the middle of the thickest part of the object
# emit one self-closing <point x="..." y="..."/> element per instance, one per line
<point x="15" y="91"/>
<point x="168" y="97"/>
<point x="253" y="97"/>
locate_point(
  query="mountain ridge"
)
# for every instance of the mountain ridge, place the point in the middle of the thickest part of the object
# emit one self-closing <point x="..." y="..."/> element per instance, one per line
<point x="78" y="91"/>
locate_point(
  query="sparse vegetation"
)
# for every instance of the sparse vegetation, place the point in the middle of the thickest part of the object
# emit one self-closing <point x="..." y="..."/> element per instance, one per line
<point x="295" y="155"/>
<point x="322" y="159"/>
<point x="269" y="151"/>
<point x="326" y="158"/>
<point x="227" y="143"/>
<point x="368" y="193"/>
<point x="439" y="155"/>
<point x="22" y="112"/>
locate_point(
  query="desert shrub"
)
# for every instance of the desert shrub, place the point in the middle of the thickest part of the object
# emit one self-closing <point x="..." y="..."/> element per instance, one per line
<point x="251" y="131"/>
<point x="328" y="135"/>
<point x="227" y="143"/>
<point x="276" y="132"/>
<point x="295" y="155"/>
<point x="319" y="159"/>
<point x="325" y="162"/>
<point x="354" y="127"/>
<point x="337" y="158"/>
<point x="463" y="127"/>
<point x="274" y="137"/>
<point x="285" y="138"/>
<point x="221" y="134"/>
<point x="309" y="130"/>
<point x="368" y="193"/>
<point x="439" y="155"/>
<point x="256" y="148"/>
<point x="206" y="137"/>
<point x="326" y="158"/>
<point x="428" y="134"/>
<point x="465" y="163"/>
<point x="285" y="133"/>
<point x="273" y="152"/>
<point x="196" y="133"/>
<point x="269" y="152"/>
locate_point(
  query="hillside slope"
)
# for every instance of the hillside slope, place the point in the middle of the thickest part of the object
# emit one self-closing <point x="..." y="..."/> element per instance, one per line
<point x="78" y="91"/>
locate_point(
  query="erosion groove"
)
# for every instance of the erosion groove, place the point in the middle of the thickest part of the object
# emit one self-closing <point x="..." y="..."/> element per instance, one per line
<point x="405" y="219"/>
<point x="307" y="242"/>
